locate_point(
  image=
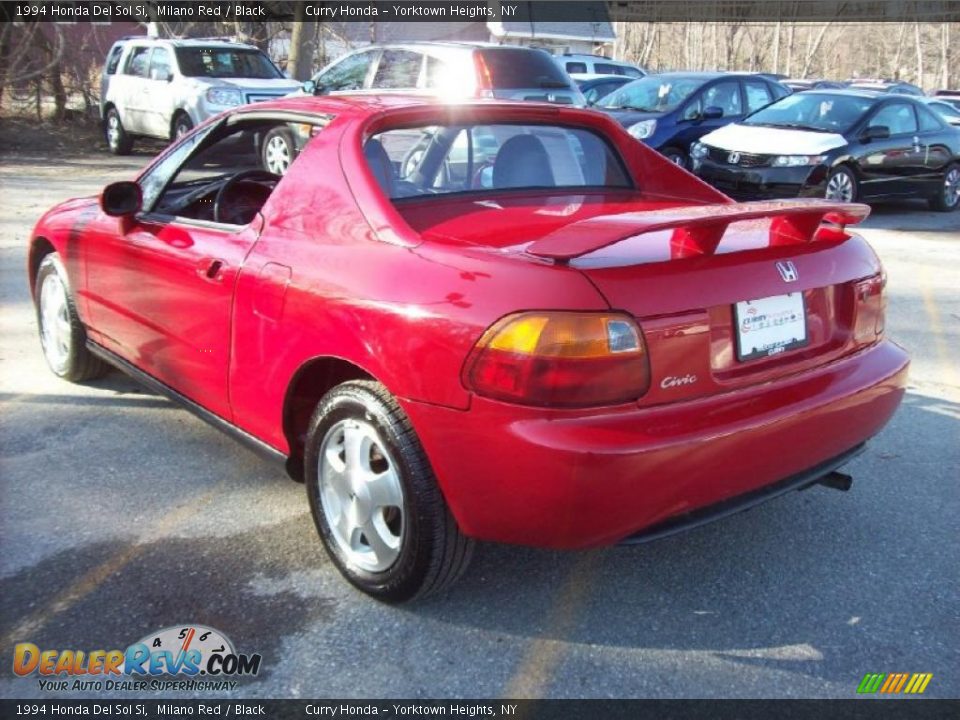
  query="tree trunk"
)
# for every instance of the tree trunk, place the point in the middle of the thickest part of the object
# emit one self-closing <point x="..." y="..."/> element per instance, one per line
<point x="916" y="32"/>
<point x="300" y="58"/>
<point x="945" y="56"/>
<point x="776" y="48"/>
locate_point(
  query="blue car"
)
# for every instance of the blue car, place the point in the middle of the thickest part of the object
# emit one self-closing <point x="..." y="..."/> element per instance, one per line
<point x="671" y="111"/>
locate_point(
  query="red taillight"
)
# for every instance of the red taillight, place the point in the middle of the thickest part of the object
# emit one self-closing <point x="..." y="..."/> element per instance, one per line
<point x="560" y="359"/>
<point x="484" y="83"/>
<point x="871" y="308"/>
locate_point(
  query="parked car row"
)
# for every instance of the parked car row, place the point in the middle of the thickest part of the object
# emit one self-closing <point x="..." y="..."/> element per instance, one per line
<point x="729" y="128"/>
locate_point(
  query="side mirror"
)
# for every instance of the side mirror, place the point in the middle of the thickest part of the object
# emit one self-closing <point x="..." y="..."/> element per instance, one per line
<point x="121" y="199"/>
<point x="875" y="132"/>
<point x="313" y="88"/>
<point x="712" y="112"/>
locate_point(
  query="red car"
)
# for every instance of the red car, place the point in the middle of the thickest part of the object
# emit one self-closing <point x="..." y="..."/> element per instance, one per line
<point x="487" y="321"/>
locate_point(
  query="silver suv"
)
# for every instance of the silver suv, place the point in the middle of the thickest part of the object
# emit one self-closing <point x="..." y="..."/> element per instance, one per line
<point x="162" y="88"/>
<point x="448" y="70"/>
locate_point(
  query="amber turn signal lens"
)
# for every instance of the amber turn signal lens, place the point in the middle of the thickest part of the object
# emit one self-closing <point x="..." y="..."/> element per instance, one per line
<point x="560" y="359"/>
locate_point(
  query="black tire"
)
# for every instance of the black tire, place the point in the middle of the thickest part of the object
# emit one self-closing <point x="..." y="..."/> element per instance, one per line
<point x="76" y="363"/>
<point x="182" y="124"/>
<point x="119" y="141"/>
<point x="948" y="199"/>
<point x="676" y="156"/>
<point x="278" y="150"/>
<point x="432" y="552"/>
<point x="838" y="182"/>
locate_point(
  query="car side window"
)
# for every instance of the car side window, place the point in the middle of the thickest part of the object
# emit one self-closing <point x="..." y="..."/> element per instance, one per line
<point x="607" y="69"/>
<point x="113" y="60"/>
<point x="758" y="94"/>
<point x="348" y="74"/>
<point x="138" y="62"/>
<point x="398" y="69"/>
<point x="928" y="122"/>
<point x="576" y="67"/>
<point x="899" y="117"/>
<point x="724" y="95"/>
<point x="160" y="64"/>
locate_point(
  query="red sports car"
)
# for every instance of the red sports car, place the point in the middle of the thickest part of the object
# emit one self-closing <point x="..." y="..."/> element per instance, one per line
<point x="484" y="321"/>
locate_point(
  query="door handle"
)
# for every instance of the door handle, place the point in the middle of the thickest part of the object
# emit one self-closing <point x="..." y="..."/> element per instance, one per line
<point x="211" y="269"/>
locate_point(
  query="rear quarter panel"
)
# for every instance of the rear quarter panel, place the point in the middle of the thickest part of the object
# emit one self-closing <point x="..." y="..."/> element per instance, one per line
<point x="319" y="283"/>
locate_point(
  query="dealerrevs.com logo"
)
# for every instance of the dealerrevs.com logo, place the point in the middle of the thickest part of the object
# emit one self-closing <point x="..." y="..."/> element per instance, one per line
<point x="199" y="657"/>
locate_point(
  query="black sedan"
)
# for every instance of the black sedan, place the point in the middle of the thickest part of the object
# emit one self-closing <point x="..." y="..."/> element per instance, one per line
<point x="843" y="145"/>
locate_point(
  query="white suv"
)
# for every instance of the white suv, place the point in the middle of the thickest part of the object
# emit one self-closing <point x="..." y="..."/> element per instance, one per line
<point x="162" y="88"/>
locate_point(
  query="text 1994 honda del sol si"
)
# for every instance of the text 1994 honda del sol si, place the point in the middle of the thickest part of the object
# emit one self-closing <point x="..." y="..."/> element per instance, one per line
<point x="485" y="321"/>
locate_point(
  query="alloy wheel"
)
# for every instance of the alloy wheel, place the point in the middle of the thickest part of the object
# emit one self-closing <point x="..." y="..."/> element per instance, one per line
<point x="951" y="188"/>
<point x="361" y="495"/>
<point x="840" y="187"/>
<point x="278" y="155"/>
<point x="113" y="130"/>
<point x="55" y="328"/>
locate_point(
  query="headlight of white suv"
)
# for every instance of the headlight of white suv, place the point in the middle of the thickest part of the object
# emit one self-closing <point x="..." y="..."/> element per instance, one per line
<point x="643" y="129"/>
<point x="224" y="96"/>
<point x="796" y="160"/>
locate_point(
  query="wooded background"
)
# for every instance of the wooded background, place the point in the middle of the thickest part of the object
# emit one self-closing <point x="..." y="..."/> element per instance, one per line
<point x="920" y="53"/>
<point x="54" y="70"/>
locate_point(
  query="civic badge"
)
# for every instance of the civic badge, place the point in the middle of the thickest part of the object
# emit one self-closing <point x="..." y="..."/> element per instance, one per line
<point x="733" y="158"/>
<point x="788" y="271"/>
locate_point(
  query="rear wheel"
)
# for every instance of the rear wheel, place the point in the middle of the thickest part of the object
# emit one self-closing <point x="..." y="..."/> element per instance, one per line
<point x="842" y="186"/>
<point x="375" y="500"/>
<point x="119" y="142"/>
<point x="62" y="335"/>
<point x="948" y="199"/>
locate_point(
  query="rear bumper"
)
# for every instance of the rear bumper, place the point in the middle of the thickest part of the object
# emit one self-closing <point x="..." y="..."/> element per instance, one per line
<point x="764" y="183"/>
<point x="564" y="479"/>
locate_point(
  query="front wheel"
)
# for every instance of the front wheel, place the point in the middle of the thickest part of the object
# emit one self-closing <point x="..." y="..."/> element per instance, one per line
<point x="842" y="186"/>
<point x="948" y="199"/>
<point x="182" y="124"/>
<point x="676" y="156"/>
<point x="375" y="500"/>
<point x="279" y="150"/>
<point x="62" y="335"/>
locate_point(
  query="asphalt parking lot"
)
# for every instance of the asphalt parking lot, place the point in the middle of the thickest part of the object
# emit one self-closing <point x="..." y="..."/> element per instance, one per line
<point x="121" y="514"/>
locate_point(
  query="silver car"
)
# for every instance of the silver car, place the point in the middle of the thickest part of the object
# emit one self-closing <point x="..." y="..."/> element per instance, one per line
<point x="450" y="71"/>
<point x="162" y="88"/>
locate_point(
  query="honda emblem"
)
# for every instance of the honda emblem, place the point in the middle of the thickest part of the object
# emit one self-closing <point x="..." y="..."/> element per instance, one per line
<point x="788" y="271"/>
<point x="733" y="158"/>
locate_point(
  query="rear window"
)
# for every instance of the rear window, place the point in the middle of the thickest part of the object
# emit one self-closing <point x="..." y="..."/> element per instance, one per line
<point x="220" y="62"/>
<point x="576" y="67"/>
<point x="441" y="160"/>
<point x="521" y="68"/>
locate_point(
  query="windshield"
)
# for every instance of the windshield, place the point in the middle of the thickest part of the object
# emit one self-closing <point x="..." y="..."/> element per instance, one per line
<point x="653" y="94"/>
<point x="216" y="62"/>
<point x="813" y="111"/>
<point x="445" y="159"/>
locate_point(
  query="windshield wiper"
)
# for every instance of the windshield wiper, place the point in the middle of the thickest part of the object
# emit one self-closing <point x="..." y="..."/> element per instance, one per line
<point x="794" y="126"/>
<point x="635" y="108"/>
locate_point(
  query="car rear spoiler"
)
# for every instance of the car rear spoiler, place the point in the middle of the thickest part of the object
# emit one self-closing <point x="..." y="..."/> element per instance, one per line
<point x="698" y="229"/>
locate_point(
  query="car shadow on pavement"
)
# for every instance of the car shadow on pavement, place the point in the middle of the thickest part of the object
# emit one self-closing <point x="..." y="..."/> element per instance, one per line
<point x="808" y="582"/>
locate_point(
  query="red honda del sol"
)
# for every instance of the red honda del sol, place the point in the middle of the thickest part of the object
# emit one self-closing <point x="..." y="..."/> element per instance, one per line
<point x="493" y="321"/>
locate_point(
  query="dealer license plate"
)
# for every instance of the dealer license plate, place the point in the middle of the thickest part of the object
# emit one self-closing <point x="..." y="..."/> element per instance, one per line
<point x="769" y="326"/>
